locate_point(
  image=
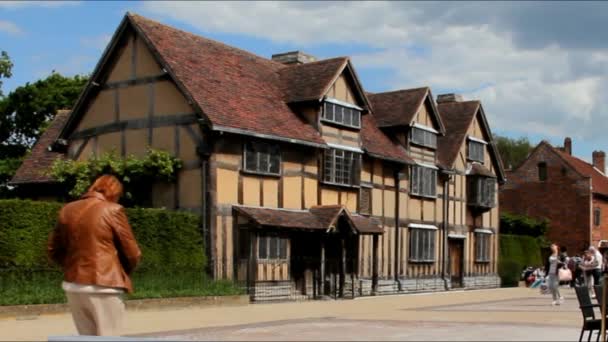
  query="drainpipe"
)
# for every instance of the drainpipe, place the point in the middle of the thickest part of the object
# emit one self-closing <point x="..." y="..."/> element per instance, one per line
<point x="446" y="206"/>
<point x="397" y="232"/>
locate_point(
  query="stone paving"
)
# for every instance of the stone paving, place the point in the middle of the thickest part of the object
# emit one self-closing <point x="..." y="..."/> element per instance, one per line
<point x="516" y="314"/>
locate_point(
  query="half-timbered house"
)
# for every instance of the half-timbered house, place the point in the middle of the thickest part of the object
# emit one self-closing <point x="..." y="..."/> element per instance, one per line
<point x="308" y="186"/>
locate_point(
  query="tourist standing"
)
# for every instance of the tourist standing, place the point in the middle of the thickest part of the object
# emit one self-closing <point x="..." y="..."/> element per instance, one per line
<point x="552" y="275"/>
<point x="95" y="246"/>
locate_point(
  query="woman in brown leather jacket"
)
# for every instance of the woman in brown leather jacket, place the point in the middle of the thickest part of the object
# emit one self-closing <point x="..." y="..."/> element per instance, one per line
<point x="95" y="246"/>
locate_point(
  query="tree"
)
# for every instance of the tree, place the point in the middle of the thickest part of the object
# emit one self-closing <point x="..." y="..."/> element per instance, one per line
<point x="6" y="67"/>
<point x="26" y="112"/>
<point x="512" y="151"/>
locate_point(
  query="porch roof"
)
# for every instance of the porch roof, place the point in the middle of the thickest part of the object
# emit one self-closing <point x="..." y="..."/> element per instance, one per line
<point x="321" y="218"/>
<point x="480" y="170"/>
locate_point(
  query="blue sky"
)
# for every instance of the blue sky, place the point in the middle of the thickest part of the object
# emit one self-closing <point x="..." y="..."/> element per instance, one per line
<point x="537" y="75"/>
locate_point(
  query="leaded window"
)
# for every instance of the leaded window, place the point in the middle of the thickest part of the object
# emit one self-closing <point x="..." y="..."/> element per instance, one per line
<point x="262" y="158"/>
<point x="272" y="247"/>
<point x="423" y="181"/>
<point x="342" y="115"/>
<point x="423" y="137"/>
<point x="482" y="246"/>
<point x="481" y="191"/>
<point x="341" y="167"/>
<point x="422" y="245"/>
<point x="597" y="215"/>
<point x="476" y="151"/>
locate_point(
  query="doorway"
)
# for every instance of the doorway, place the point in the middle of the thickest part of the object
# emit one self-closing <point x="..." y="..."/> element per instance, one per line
<point x="456" y="253"/>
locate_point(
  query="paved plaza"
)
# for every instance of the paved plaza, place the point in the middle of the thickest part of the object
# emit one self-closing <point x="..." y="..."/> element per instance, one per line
<point x="516" y="314"/>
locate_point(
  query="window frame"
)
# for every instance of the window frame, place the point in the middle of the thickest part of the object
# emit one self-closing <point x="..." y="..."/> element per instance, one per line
<point x="597" y="216"/>
<point x="417" y="181"/>
<point x="542" y="171"/>
<point x="481" y="144"/>
<point x="483" y="246"/>
<point x="352" y="172"/>
<point x="419" y="238"/>
<point x="426" y="132"/>
<point x="270" y="152"/>
<point x="354" y="113"/>
<point x="280" y="253"/>
<point x="477" y="188"/>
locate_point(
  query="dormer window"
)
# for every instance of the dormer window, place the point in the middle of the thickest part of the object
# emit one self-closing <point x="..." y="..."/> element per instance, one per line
<point x="476" y="149"/>
<point x="423" y="136"/>
<point x="341" y="113"/>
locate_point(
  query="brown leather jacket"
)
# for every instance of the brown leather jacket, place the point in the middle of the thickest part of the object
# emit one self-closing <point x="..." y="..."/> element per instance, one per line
<point x="94" y="243"/>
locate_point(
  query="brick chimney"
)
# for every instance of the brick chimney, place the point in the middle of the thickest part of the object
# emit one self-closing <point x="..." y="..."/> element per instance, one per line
<point x="451" y="97"/>
<point x="599" y="160"/>
<point x="293" y="57"/>
<point x="568" y="145"/>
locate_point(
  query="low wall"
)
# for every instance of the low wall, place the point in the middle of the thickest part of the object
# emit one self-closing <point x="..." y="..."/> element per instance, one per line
<point x="481" y="282"/>
<point x="25" y="311"/>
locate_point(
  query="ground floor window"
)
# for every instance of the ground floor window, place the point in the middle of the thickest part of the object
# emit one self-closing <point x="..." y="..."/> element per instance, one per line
<point x="422" y="244"/>
<point x="272" y="247"/>
<point x="482" y="246"/>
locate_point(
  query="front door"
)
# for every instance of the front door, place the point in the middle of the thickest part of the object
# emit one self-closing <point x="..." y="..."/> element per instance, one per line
<point x="456" y="252"/>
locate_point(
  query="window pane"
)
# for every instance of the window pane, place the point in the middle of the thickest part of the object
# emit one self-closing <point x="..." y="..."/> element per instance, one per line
<point x="264" y="162"/>
<point x="356" y="118"/>
<point x="338" y="114"/>
<point x="283" y="248"/>
<point x="250" y="158"/>
<point x="263" y="247"/>
<point x="329" y="111"/>
<point x="329" y="165"/>
<point x="348" y="115"/>
<point x="273" y="247"/>
<point x="275" y="160"/>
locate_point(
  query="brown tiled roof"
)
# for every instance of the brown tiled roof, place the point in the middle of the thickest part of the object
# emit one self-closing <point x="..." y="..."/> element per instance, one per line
<point x="233" y="88"/>
<point x="319" y="218"/>
<point x="35" y="165"/>
<point x="599" y="181"/>
<point x="397" y="108"/>
<point x="377" y="144"/>
<point x="457" y="117"/>
<point x="310" y="81"/>
<point x="480" y="170"/>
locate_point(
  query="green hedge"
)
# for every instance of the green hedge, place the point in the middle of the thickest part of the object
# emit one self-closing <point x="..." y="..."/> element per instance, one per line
<point x="517" y="252"/>
<point x="168" y="239"/>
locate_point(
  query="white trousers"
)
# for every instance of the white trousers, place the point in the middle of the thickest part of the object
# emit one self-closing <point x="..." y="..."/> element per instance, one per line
<point x="97" y="314"/>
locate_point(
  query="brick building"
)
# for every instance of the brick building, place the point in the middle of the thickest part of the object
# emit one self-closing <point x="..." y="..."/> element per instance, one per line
<point x="573" y="194"/>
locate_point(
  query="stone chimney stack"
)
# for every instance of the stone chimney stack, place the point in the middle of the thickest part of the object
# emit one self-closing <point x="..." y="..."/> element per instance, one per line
<point x="568" y="145"/>
<point x="293" y="57"/>
<point x="599" y="160"/>
<point x="445" y="98"/>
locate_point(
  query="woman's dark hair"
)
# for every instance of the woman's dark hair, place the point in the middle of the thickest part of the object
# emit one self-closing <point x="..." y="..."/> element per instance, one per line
<point x="563" y="249"/>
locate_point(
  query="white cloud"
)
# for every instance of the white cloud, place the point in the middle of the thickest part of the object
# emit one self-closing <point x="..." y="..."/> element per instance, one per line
<point x="10" y="28"/>
<point x="21" y="4"/>
<point x="97" y="42"/>
<point x="542" y="85"/>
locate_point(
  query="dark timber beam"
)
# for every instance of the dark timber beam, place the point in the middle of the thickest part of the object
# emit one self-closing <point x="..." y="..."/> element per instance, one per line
<point x="322" y="280"/>
<point x="156" y="121"/>
<point x="137" y="81"/>
<point x="375" y="264"/>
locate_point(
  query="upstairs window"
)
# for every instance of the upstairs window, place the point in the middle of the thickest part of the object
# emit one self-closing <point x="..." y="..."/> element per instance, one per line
<point x="597" y="216"/>
<point x="542" y="171"/>
<point x="341" y="114"/>
<point x="341" y="167"/>
<point x="262" y="158"/>
<point x="423" y="137"/>
<point x="481" y="192"/>
<point x="476" y="150"/>
<point x="423" y="181"/>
